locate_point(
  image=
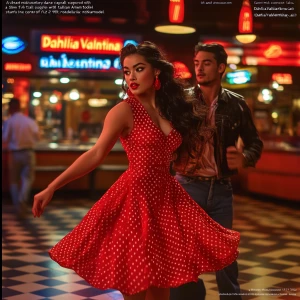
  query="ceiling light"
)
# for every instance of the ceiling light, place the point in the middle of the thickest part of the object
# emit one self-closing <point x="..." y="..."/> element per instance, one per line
<point x="251" y="60"/>
<point x="95" y="102"/>
<point x="37" y="94"/>
<point x="35" y="102"/>
<point x="175" y="29"/>
<point x="53" y="99"/>
<point x="74" y="94"/>
<point x="64" y="80"/>
<point x="53" y="72"/>
<point x="246" y="35"/>
<point x="275" y="85"/>
<point x="118" y="81"/>
<point x="53" y="80"/>
<point x="8" y="95"/>
<point x="5" y="100"/>
<point x="246" y="38"/>
<point x="265" y="96"/>
<point x="233" y="59"/>
<point x="280" y="88"/>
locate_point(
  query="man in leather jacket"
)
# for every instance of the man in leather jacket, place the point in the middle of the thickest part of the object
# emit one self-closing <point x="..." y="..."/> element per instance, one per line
<point x="205" y="174"/>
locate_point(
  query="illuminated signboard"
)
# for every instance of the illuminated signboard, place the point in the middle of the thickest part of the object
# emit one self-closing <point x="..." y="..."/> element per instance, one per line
<point x="238" y="77"/>
<point x="282" y="78"/>
<point x="82" y="44"/>
<point x="87" y="63"/>
<point x="13" y="45"/>
<point x="176" y="11"/>
<point x="19" y="67"/>
<point x="245" y="18"/>
<point x="273" y="53"/>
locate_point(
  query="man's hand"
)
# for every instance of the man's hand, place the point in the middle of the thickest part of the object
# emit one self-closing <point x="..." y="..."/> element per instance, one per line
<point x="235" y="158"/>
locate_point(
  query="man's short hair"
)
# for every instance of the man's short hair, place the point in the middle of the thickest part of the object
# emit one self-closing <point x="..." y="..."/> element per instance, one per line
<point x="217" y="49"/>
<point x="14" y="103"/>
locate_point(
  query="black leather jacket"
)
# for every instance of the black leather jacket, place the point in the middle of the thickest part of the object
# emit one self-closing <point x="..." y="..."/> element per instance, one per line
<point x="233" y="119"/>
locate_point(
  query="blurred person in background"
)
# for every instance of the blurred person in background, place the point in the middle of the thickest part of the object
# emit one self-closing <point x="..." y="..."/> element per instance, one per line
<point x="145" y="234"/>
<point x="223" y="117"/>
<point x="20" y="133"/>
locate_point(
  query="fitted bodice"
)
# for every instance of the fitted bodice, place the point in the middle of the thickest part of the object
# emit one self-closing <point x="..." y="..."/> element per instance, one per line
<point x="147" y="146"/>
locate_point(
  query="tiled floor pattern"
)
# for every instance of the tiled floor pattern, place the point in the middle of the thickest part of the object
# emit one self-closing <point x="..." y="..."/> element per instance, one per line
<point x="269" y="260"/>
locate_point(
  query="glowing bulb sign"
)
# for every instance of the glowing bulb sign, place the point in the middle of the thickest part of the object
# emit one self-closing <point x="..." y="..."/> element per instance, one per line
<point x="245" y="18"/>
<point x="176" y="11"/>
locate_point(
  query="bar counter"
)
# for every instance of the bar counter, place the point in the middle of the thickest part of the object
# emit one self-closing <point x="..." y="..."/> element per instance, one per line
<point x="277" y="173"/>
<point x="53" y="158"/>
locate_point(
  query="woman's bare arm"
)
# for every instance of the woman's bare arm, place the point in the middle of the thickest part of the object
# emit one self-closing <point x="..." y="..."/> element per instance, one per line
<point x="117" y="122"/>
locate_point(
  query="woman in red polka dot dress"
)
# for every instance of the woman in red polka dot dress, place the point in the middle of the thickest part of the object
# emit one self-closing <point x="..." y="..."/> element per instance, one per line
<point x="145" y="234"/>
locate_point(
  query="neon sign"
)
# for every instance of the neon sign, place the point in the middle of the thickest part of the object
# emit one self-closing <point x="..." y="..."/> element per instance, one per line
<point x="176" y="11"/>
<point x="273" y="51"/>
<point x="19" y="67"/>
<point x="238" y="77"/>
<point x="282" y="78"/>
<point x="12" y="45"/>
<point x="88" y="63"/>
<point x="245" y="18"/>
<point x="82" y="44"/>
<point x="135" y="43"/>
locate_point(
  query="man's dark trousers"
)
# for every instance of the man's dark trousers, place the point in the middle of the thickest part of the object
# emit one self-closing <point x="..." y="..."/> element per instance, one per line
<point x="216" y="198"/>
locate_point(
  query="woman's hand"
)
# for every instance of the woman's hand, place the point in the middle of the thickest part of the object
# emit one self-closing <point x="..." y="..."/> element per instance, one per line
<point x="41" y="200"/>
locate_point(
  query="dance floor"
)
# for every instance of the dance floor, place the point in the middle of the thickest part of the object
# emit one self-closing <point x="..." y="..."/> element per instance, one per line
<point x="269" y="260"/>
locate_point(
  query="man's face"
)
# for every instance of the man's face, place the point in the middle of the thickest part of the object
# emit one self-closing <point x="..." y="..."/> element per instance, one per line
<point x="206" y="69"/>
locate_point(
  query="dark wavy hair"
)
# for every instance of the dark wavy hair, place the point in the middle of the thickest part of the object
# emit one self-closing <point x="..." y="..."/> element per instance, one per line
<point x="170" y="98"/>
<point x="217" y="50"/>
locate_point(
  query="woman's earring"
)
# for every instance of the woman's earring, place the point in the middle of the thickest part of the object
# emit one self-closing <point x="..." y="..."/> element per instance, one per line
<point x="129" y="93"/>
<point x="157" y="83"/>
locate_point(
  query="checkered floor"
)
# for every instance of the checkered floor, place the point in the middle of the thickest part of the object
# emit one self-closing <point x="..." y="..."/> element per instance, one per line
<point x="269" y="260"/>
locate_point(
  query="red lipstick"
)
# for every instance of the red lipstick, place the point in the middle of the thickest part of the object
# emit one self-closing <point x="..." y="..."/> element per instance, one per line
<point x="134" y="86"/>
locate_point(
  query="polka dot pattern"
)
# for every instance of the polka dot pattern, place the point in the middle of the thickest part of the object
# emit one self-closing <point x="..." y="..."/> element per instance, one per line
<point x="146" y="230"/>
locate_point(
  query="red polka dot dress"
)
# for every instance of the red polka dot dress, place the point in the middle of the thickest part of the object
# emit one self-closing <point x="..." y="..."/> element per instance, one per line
<point x="146" y="230"/>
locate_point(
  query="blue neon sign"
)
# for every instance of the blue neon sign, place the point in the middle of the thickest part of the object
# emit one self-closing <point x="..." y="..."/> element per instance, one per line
<point x="135" y="43"/>
<point x="87" y="63"/>
<point x="238" y="77"/>
<point x="13" y="45"/>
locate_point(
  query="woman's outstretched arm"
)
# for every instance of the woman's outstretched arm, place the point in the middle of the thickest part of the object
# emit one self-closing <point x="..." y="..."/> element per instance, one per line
<point x="118" y="122"/>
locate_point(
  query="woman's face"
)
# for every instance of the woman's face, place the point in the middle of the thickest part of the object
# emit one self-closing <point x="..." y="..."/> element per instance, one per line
<point x="138" y="74"/>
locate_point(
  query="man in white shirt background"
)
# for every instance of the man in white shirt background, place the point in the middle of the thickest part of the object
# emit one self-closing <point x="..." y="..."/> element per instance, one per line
<point x="20" y="134"/>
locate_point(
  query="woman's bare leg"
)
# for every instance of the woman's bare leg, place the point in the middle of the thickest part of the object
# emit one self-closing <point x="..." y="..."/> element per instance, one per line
<point x="138" y="296"/>
<point x="154" y="293"/>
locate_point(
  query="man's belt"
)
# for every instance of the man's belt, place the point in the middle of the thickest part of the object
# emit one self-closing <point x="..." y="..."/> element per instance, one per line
<point x="209" y="178"/>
